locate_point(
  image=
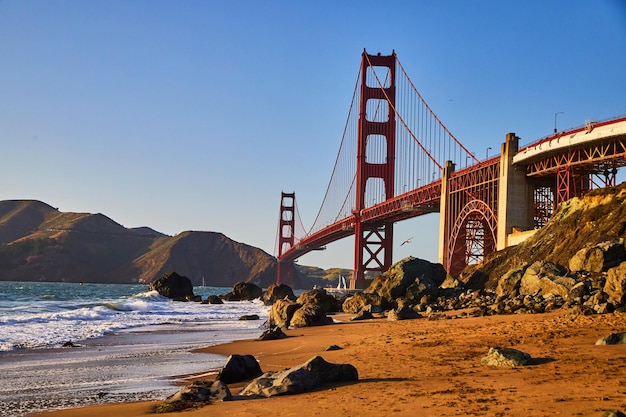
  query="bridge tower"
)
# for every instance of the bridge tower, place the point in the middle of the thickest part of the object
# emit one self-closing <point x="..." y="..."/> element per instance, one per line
<point x="286" y="269"/>
<point x="377" y="123"/>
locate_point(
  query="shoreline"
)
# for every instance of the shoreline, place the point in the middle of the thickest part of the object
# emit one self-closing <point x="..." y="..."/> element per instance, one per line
<point x="432" y="367"/>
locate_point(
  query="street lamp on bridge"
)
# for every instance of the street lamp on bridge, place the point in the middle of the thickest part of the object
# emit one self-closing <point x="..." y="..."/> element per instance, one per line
<point x="555" y="114"/>
<point x="487" y="152"/>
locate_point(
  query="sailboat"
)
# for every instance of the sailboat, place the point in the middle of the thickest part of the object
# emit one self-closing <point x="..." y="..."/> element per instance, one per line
<point x="341" y="285"/>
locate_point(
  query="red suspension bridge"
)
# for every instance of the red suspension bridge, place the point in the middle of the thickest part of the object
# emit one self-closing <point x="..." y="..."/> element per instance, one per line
<point x="397" y="161"/>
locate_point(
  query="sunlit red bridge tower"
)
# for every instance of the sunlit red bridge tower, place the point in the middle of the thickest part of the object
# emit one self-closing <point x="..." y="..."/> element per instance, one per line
<point x="397" y="161"/>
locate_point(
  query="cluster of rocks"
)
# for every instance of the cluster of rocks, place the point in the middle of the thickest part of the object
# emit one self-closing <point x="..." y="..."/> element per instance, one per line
<point x="239" y="368"/>
<point x="179" y="288"/>
<point x="595" y="283"/>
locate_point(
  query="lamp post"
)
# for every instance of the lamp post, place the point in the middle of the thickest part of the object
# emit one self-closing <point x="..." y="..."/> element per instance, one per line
<point x="487" y="152"/>
<point x="555" y="114"/>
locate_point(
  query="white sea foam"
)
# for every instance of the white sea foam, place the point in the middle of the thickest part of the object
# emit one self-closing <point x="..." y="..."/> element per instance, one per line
<point x="150" y="342"/>
<point x="52" y="318"/>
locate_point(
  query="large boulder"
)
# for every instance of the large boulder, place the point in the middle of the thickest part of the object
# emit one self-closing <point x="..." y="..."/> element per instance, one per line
<point x="309" y="315"/>
<point x="615" y="285"/>
<point x="239" y="368"/>
<point x="300" y="379"/>
<point x="421" y="278"/>
<point x="320" y="297"/>
<point x="508" y="285"/>
<point x="359" y="301"/>
<point x="599" y="258"/>
<point x="172" y="285"/>
<point x="277" y="292"/>
<point x="281" y="313"/>
<point x="244" y="291"/>
<point x="543" y="277"/>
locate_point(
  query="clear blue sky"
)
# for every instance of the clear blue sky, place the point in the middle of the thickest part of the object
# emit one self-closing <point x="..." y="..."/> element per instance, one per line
<point x="195" y="115"/>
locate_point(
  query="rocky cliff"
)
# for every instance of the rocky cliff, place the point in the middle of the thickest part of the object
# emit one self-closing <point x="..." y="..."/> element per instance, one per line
<point x="579" y="224"/>
<point x="40" y="243"/>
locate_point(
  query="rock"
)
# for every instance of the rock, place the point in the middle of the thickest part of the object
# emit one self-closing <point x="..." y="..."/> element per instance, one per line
<point x="541" y="277"/>
<point x="69" y="344"/>
<point x="202" y="392"/>
<point x="357" y="302"/>
<point x="578" y="291"/>
<point x="239" y="368"/>
<point x="509" y="284"/>
<point x="613" y="413"/>
<point x="273" y="334"/>
<point x="403" y="313"/>
<point x="244" y="291"/>
<point x="277" y="292"/>
<point x="615" y="285"/>
<point x="333" y="347"/>
<point x="213" y="299"/>
<point x="411" y="278"/>
<point x="249" y="317"/>
<point x="362" y="315"/>
<point x="451" y="283"/>
<point x="599" y="258"/>
<point x="281" y="313"/>
<point x="309" y="315"/>
<point x="320" y="297"/>
<point x="172" y="285"/>
<point x="300" y="379"/>
<point x="505" y="357"/>
<point x="613" y="339"/>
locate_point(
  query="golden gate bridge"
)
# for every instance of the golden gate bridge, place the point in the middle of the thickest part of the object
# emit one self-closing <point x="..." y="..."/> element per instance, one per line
<point x="397" y="160"/>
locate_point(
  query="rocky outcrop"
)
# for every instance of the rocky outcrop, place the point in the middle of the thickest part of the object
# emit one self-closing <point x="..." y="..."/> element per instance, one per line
<point x="599" y="258"/>
<point x="320" y="297"/>
<point x="281" y="313"/>
<point x="244" y="291"/>
<point x="277" y="292"/>
<point x="360" y="301"/>
<point x="410" y="278"/>
<point x="172" y="285"/>
<point x="303" y="378"/>
<point x="309" y="314"/>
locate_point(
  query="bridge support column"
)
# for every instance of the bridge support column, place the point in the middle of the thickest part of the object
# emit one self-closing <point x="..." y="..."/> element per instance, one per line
<point x="444" y="214"/>
<point x="515" y="199"/>
<point x="286" y="270"/>
<point x="373" y="242"/>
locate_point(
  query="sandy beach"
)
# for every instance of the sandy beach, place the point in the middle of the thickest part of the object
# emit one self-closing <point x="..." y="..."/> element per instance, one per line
<point x="432" y="367"/>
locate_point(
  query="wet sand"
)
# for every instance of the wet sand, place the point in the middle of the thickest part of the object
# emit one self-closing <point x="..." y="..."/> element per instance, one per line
<point x="432" y="367"/>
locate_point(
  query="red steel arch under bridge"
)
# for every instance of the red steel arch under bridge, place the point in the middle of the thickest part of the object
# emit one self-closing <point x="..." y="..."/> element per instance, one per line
<point x="397" y="161"/>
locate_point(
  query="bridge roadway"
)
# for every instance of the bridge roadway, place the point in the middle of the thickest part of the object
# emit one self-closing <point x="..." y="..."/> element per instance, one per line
<point x="594" y="146"/>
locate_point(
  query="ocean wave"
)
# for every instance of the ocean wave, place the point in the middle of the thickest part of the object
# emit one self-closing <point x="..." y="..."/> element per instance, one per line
<point x="43" y="323"/>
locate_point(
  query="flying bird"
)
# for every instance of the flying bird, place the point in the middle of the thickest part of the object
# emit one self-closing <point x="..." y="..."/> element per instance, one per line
<point x="406" y="241"/>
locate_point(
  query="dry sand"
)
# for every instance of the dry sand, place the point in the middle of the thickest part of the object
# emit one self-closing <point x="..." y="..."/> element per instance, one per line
<point x="432" y="368"/>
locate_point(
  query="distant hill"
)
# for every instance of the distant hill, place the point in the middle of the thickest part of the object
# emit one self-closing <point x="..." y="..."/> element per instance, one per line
<point x="40" y="243"/>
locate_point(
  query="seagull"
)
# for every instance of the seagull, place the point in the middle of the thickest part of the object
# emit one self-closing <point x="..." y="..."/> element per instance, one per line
<point x="406" y="241"/>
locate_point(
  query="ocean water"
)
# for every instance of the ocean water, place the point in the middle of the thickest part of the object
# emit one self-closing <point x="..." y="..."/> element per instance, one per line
<point x="132" y="344"/>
